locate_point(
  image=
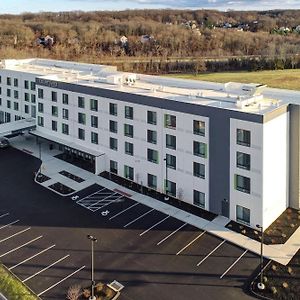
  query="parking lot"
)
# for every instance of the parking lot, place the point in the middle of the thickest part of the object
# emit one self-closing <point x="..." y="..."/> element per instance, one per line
<point x="154" y="255"/>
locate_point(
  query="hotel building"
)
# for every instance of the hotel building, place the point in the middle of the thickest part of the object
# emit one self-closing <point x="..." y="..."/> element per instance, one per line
<point x="232" y="149"/>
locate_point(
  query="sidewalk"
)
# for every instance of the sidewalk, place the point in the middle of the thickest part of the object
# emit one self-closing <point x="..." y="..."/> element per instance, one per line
<point x="51" y="167"/>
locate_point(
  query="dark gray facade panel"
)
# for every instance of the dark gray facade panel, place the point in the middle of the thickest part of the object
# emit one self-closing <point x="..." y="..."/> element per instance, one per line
<point x="219" y="133"/>
<point x="190" y="108"/>
<point x="294" y="178"/>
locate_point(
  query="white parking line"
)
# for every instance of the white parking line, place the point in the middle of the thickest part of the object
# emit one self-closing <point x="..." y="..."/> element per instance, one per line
<point x="7" y="225"/>
<point x="156" y="224"/>
<point x="46" y="268"/>
<point x="211" y="252"/>
<point x="119" y="213"/>
<point x="4" y="215"/>
<point x="191" y="242"/>
<point x="146" y="213"/>
<point x="89" y="195"/>
<point x="105" y="199"/>
<point x="54" y="285"/>
<point x="31" y="257"/>
<point x="15" y="234"/>
<point x="172" y="233"/>
<point x="19" y="247"/>
<point x="233" y="264"/>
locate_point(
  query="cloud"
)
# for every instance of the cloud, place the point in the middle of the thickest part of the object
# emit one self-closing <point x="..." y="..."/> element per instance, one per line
<point x="196" y="4"/>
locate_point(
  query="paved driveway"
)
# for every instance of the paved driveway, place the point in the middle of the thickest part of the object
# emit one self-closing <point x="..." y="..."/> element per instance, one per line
<point x="154" y="255"/>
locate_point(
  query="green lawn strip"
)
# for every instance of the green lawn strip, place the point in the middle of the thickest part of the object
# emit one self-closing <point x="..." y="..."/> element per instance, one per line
<point x="285" y="79"/>
<point x="12" y="288"/>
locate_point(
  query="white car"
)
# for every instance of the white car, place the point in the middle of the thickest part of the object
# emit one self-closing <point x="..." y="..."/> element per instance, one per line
<point x="4" y="143"/>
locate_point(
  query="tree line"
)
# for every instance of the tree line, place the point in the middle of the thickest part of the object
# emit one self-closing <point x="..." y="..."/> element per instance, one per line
<point x="95" y="36"/>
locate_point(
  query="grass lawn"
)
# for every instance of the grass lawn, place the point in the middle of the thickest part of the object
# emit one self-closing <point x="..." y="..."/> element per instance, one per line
<point x="285" y="79"/>
<point x="13" y="289"/>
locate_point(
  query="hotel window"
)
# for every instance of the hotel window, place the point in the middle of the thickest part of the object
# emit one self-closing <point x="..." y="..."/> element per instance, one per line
<point x="81" y="102"/>
<point x="65" y="128"/>
<point x="26" y="96"/>
<point x="8" y="81"/>
<point x="8" y="93"/>
<point x="242" y="183"/>
<point x="171" y="161"/>
<point x="32" y="86"/>
<point x="65" y="98"/>
<point x="199" y="199"/>
<point x="33" y="98"/>
<point x="243" y="137"/>
<point x="170" y="188"/>
<point x="171" y="141"/>
<point x="81" y="134"/>
<point x="8" y="104"/>
<point x="113" y="144"/>
<point x="16" y="106"/>
<point x="16" y="94"/>
<point x="113" y="126"/>
<point x="55" y="111"/>
<point x="152" y="181"/>
<point x="40" y="107"/>
<point x="199" y="127"/>
<point x="94" y="105"/>
<point x="81" y="118"/>
<point x="242" y="214"/>
<point x="152" y="136"/>
<point x="129" y="148"/>
<point x="113" y="109"/>
<point x="200" y="149"/>
<point x="199" y="170"/>
<point x="152" y="156"/>
<point x="41" y="121"/>
<point x="26" y="84"/>
<point x="128" y="172"/>
<point x="16" y="82"/>
<point x="94" y="121"/>
<point x="128" y="130"/>
<point x="243" y="160"/>
<point x="151" y="117"/>
<point x="54" y="96"/>
<point x="65" y="114"/>
<point x="54" y="125"/>
<point x="41" y="93"/>
<point x="113" y="166"/>
<point x="26" y="109"/>
<point x="170" y="121"/>
<point x="129" y="112"/>
<point x="94" y="137"/>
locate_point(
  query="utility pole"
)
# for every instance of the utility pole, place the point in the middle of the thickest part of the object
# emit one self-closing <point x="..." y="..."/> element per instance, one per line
<point x="93" y="240"/>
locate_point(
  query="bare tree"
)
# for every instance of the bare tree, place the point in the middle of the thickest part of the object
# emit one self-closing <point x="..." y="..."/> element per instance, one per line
<point x="74" y="292"/>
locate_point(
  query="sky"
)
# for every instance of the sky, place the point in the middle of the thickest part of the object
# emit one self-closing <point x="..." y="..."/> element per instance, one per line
<point x="20" y="6"/>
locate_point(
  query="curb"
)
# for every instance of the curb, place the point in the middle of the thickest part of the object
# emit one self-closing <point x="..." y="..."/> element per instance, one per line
<point x="26" y="286"/>
<point x="253" y="281"/>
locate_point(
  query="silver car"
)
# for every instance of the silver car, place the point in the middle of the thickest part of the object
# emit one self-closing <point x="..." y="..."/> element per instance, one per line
<point x="4" y="143"/>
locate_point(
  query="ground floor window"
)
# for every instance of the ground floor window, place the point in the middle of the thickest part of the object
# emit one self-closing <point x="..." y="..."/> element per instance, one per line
<point x="128" y="172"/>
<point x="242" y="214"/>
<point x="199" y="199"/>
<point x="114" y="167"/>
<point x="170" y="188"/>
<point x="152" y="181"/>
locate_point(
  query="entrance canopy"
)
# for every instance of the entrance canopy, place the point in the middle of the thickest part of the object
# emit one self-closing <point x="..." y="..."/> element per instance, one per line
<point x="17" y="126"/>
<point x="67" y="143"/>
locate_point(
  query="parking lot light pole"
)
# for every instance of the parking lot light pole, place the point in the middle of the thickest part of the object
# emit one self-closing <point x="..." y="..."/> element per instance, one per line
<point x="40" y="157"/>
<point x="261" y="285"/>
<point x="165" y="183"/>
<point x="93" y="240"/>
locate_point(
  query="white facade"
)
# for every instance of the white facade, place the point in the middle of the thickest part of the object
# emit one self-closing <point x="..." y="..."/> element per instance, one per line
<point x="263" y="167"/>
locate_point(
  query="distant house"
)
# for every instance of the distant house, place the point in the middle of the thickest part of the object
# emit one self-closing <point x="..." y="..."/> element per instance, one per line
<point x="123" y="40"/>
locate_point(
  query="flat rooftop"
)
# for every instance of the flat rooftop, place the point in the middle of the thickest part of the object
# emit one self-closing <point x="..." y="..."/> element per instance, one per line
<point x="250" y="98"/>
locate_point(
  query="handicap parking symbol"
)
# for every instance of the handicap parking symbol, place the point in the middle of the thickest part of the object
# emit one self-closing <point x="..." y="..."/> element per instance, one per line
<point x="75" y="197"/>
<point x="105" y="213"/>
